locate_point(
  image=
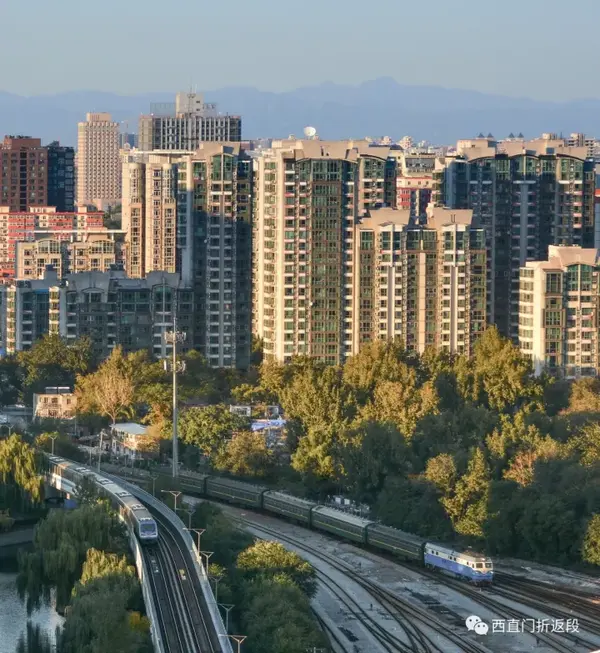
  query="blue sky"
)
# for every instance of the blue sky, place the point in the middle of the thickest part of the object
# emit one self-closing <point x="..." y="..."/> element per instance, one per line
<point x="539" y="48"/>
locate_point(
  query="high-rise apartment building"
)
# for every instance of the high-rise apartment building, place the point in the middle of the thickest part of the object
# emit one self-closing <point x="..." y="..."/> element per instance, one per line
<point x="61" y="177"/>
<point x="423" y="285"/>
<point x="414" y="181"/>
<point x="39" y="222"/>
<point x="309" y="196"/>
<point x="559" y="312"/>
<point x="149" y="212"/>
<point x="186" y="124"/>
<point x="334" y="269"/>
<point x="528" y="196"/>
<point x="23" y="173"/>
<point x="107" y="307"/>
<point x="190" y="213"/>
<point x="98" y="162"/>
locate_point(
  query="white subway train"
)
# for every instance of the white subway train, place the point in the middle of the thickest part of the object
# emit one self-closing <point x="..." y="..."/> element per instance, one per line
<point x="129" y="507"/>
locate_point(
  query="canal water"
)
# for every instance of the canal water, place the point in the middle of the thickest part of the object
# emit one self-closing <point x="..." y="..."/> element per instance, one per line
<point x="13" y="615"/>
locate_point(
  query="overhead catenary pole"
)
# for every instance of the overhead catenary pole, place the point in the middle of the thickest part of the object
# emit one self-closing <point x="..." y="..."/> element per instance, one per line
<point x="175" y="337"/>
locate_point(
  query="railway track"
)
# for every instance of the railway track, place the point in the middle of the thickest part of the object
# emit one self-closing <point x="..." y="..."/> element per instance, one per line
<point x="185" y="621"/>
<point x="485" y="597"/>
<point x="415" y="623"/>
<point x="188" y="609"/>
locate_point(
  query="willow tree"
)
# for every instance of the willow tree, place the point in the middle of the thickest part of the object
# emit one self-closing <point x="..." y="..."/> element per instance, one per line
<point x="19" y="473"/>
<point x="61" y="543"/>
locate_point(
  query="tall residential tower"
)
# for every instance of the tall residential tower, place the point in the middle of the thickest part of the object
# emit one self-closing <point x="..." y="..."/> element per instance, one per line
<point x="98" y="162"/>
<point x="186" y="124"/>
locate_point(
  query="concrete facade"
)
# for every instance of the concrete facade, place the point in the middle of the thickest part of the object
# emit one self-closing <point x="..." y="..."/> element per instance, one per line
<point x="559" y="312"/>
<point x="98" y="162"/>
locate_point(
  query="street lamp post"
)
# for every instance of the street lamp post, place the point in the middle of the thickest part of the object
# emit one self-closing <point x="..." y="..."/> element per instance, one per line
<point x="199" y="532"/>
<point x="174" y="337"/>
<point x="100" y="451"/>
<point x="238" y="639"/>
<point x="175" y="494"/>
<point x="153" y="477"/>
<point x="228" y="608"/>
<point x="217" y="580"/>
<point x="207" y="554"/>
<point x="190" y="512"/>
<point x="53" y="437"/>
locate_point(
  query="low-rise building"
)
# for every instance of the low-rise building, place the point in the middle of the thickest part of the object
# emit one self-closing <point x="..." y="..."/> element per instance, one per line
<point x="54" y="403"/>
<point x="133" y="442"/>
<point x="559" y="307"/>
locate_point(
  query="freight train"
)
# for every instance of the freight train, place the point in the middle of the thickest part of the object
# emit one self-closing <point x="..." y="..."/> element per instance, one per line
<point x="467" y="564"/>
<point x="136" y="515"/>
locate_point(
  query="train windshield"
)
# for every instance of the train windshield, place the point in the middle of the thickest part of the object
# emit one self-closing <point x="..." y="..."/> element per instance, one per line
<point x="148" y="529"/>
<point x="488" y="565"/>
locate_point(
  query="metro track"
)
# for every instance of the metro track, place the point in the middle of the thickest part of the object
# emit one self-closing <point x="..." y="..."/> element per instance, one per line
<point x="187" y="608"/>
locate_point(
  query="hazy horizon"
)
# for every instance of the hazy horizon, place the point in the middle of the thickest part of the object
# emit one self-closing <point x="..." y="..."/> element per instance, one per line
<point x="515" y="49"/>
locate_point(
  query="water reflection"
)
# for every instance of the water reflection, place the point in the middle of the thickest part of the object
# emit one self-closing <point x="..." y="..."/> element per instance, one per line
<point x="13" y="615"/>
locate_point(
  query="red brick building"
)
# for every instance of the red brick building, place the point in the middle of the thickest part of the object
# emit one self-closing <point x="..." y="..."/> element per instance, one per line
<point x="23" y="173"/>
<point x="40" y="221"/>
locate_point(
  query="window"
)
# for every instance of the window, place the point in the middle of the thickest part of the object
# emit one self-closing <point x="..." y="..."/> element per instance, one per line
<point x="554" y="282"/>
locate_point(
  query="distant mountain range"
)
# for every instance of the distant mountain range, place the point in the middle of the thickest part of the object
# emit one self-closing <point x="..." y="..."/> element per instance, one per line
<point x="375" y="108"/>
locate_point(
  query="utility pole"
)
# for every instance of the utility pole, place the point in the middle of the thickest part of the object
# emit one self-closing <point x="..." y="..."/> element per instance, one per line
<point x="175" y="337"/>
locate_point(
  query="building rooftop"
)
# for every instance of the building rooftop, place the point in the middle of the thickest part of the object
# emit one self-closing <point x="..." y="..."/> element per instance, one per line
<point x="561" y="257"/>
<point x="131" y="428"/>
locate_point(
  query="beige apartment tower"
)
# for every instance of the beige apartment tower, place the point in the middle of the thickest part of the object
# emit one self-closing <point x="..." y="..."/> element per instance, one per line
<point x="98" y="162"/>
<point x="334" y="268"/>
<point x="559" y="311"/>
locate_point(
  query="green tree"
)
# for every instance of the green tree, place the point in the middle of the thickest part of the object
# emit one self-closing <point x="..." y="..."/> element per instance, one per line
<point x="110" y="391"/>
<point x="402" y="403"/>
<point x="210" y="427"/>
<point x="453" y="432"/>
<point x="467" y="506"/>
<point x="51" y="361"/>
<point x="413" y="505"/>
<point x="586" y="444"/>
<point x="318" y="397"/>
<point x="246" y="454"/>
<point x="278" y="619"/>
<point x="377" y="362"/>
<point x="590" y="551"/>
<point x="502" y="373"/>
<point x="368" y="453"/>
<point x="63" y="445"/>
<point x="221" y="535"/>
<point x="316" y="454"/>
<point x="119" y="574"/>
<point x="271" y="559"/>
<point x="441" y="471"/>
<point x="19" y="473"/>
<point x="61" y="543"/>
<point x="11" y="381"/>
<point x="86" y="491"/>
